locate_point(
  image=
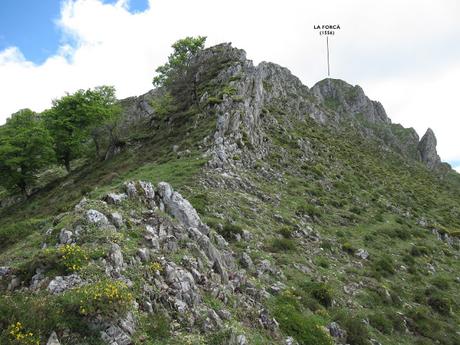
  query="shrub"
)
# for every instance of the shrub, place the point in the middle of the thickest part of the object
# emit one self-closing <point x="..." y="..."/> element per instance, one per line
<point x="286" y="231"/>
<point x="419" y="250"/>
<point x="229" y="231"/>
<point x="348" y="247"/>
<point x="385" y="265"/>
<point x="357" y="332"/>
<point x="282" y="245"/>
<point x="381" y="322"/>
<point x="73" y="257"/>
<point x="322" y="292"/>
<point x="306" y="329"/>
<point x="19" y="335"/>
<point x="104" y="298"/>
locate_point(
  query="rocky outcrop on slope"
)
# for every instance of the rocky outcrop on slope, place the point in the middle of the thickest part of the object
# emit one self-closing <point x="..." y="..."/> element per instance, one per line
<point x="349" y="100"/>
<point x="427" y="149"/>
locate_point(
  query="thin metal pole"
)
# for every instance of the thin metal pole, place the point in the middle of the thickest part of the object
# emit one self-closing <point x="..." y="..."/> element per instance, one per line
<point x="328" y="67"/>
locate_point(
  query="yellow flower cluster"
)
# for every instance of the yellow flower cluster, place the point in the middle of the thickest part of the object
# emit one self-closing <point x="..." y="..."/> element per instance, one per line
<point x="156" y="267"/>
<point x="104" y="297"/>
<point x="73" y="257"/>
<point x="20" y="336"/>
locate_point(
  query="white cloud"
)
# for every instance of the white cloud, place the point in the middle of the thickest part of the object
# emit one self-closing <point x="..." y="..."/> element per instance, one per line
<point x="403" y="53"/>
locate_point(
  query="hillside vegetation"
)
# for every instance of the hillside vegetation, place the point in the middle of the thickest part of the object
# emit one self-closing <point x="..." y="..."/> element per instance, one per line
<point x="238" y="206"/>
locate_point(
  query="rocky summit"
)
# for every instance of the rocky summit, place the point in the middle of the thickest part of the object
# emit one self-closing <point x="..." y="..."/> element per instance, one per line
<point x="238" y="206"/>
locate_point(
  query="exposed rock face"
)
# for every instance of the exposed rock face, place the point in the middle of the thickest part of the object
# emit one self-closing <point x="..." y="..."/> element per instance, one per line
<point x="345" y="98"/>
<point x="427" y="149"/>
<point x="61" y="284"/>
<point x="53" y="339"/>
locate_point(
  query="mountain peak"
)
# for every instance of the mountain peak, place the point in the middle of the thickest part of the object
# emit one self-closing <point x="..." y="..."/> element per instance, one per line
<point x="346" y="98"/>
<point x="427" y="149"/>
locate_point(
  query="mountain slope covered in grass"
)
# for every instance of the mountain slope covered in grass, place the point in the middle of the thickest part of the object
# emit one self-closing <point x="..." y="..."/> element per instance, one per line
<point x="290" y="215"/>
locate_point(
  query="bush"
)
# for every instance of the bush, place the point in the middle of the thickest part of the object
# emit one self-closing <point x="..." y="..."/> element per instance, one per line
<point x="73" y="257"/>
<point x="385" y="265"/>
<point x="348" y="248"/>
<point x="322" y="292"/>
<point x="230" y="231"/>
<point x="282" y="245"/>
<point x="381" y="322"/>
<point x="106" y="298"/>
<point x="419" y="250"/>
<point x="357" y="332"/>
<point x="306" y="329"/>
<point x="286" y="231"/>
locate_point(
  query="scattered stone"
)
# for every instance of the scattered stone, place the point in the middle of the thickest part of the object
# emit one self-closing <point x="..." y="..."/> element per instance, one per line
<point x="362" y="254"/>
<point x="14" y="283"/>
<point x="116" y="257"/>
<point x="96" y="217"/>
<point x="143" y="254"/>
<point x="336" y="331"/>
<point x="131" y="189"/>
<point x="116" y="219"/>
<point x="180" y="208"/>
<point x="115" y="199"/>
<point x="65" y="236"/>
<point x="53" y="339"/>
<point x="61" y="284"/>
<point x="4" y="271"/>
<point x="246" y="261"/>
<point x="290" y="341"/>
<point x="114" y="335"/>
<point x="237" y="339"/>
<point x="224" y="314"/>
<point x="277" y="288"/>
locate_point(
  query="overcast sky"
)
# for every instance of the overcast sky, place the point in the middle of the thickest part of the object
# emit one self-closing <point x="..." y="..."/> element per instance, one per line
<point x="405" y="54"/>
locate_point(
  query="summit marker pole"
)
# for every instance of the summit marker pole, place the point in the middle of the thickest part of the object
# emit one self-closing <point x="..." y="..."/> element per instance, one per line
<point x="327" y="30"/>
<point x="328" y="65"/>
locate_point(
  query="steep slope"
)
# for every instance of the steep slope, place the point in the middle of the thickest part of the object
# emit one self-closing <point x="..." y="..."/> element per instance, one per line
<point x="312" y="220"/>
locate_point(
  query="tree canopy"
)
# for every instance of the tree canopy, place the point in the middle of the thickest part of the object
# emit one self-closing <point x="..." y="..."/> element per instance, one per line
<point x="25" y="148"/>
<point x="74" y="117"/>
<point x="178" y="61"/>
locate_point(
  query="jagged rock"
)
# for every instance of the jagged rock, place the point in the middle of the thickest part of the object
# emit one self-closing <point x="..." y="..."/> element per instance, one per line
<point x="336" y="331"/>
<point x="131" y="189"/>
<point x="237" y="339"/>
<point x="53" y="339"/>
<point x="97" y="218"/>
<point x="4" y="271"/>
<point x="14" y="283"/>
<point x="246" y="261"/>
<point x="290" y="341"/>
<point x="143" y="254"/>
<point x="340" y="96"/>
<point x="277" y="288"/>
<point x="65" y="236"/>
<point x="182" y="286"/>
<point x="362" y="254"/>
<point x="81" y="205"/>
<point x="115" y="199"/>
<point x="224" y="314"/>
<point x="116" y="257"/>
<point x="114" y="335"/>
<point x="211" y="252"/>
<point x="427" y="149"/>
<point x="180" y="208"/>
<point x="116" y="219"/>
<point x="60" y="284"/>
<point x="266" y="321"/>
<point x="38" y="279"/>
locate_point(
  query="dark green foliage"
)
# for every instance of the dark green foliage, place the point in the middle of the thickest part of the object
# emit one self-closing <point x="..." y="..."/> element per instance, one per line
<point x="178" y="61"/>
<point x="322" y="292"/>
<point x="286" y="231"/>
<point x="74" y="118"/>
<point x="305" y="328"/>
<point x="348" y="247"/>
<point x="229" y="231"/>
<point x="419" y="250"/>
<point x="357" y="332"/>
<point x="13" y="232"/>
<point x="25" y="148"/>
<point x="381" y="322"/>
<point x="157" y="326"/>
<point x="384" y="265"/>
<point x="282" y="245"/>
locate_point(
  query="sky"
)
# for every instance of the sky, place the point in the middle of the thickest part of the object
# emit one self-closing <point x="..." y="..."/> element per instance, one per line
<point x="405" y="54"/>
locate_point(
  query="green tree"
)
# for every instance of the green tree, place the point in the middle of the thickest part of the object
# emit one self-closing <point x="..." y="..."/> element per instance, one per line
<point x="25" y="148"/>
<point x="75" y="118"/>
<point x="178" y="61"/>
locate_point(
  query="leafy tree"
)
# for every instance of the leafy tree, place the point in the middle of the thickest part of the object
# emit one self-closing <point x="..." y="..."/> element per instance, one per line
<point x="178" y="61"/>
<point x="25" y="148"/>
<point x="75" y="118"/>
